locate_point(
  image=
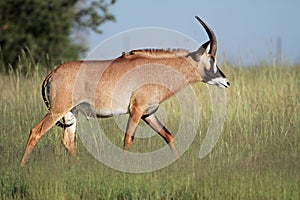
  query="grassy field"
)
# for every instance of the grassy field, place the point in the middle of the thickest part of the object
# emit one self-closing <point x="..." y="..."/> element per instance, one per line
<point x="256" y="157"/>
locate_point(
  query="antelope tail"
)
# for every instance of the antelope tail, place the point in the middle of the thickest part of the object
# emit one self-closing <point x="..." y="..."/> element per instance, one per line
<point x="46" y="90"/>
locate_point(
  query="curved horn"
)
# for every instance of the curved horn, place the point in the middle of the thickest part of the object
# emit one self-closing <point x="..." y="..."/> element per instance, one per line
<point x="211" y="35"/>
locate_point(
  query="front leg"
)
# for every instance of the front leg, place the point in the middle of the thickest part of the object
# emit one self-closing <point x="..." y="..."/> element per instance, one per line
<point x="156" y="125"/>
<point x="134" y="119"/>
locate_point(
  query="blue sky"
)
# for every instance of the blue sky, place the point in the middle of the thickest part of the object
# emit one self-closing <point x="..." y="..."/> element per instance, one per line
<point x="247" y="31"/>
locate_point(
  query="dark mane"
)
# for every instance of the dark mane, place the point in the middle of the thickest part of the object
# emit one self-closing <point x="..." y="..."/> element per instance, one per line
<point x="156" y="53"/>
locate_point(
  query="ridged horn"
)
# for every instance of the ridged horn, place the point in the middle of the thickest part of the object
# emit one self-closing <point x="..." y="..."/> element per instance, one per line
<point x="211" y="35"/>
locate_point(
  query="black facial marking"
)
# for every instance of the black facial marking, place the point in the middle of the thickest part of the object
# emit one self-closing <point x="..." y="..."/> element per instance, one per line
<point x="222" y="74"/>
<point x="210" y="74"/>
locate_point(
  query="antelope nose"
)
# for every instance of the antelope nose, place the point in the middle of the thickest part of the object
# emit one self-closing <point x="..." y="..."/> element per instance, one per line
<point x="226" y="84"/>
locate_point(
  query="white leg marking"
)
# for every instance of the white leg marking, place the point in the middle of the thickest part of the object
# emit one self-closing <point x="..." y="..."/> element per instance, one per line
<point x="70" y="120"/>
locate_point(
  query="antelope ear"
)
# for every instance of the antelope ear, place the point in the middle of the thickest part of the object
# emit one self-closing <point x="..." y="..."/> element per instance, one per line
<point x="204" y="48"/>
<point x="207" y="49"/>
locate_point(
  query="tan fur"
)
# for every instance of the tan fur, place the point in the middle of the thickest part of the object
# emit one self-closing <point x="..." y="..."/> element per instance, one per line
<point x="134" y="83"/>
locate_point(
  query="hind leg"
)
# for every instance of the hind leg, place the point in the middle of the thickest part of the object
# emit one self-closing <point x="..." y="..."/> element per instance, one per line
<point x="37" y="132"/>
<point x="69" y="134"/>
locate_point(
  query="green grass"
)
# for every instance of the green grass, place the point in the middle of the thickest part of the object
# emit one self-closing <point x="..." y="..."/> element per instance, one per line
<point x="256" y="157"/>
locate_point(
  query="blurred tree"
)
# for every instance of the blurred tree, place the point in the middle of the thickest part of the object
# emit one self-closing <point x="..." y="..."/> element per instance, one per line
<point x="44" y="29"/>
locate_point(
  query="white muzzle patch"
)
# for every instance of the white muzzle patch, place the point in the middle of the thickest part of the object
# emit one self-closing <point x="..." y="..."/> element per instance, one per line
<point x="220" y="82"/>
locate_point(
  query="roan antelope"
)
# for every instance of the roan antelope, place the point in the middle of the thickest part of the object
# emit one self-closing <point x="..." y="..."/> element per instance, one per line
<point x="95" y="89"/>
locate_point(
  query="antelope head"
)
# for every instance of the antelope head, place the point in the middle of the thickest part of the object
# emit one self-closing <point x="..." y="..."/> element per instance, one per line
<point x="205" y="56"/>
